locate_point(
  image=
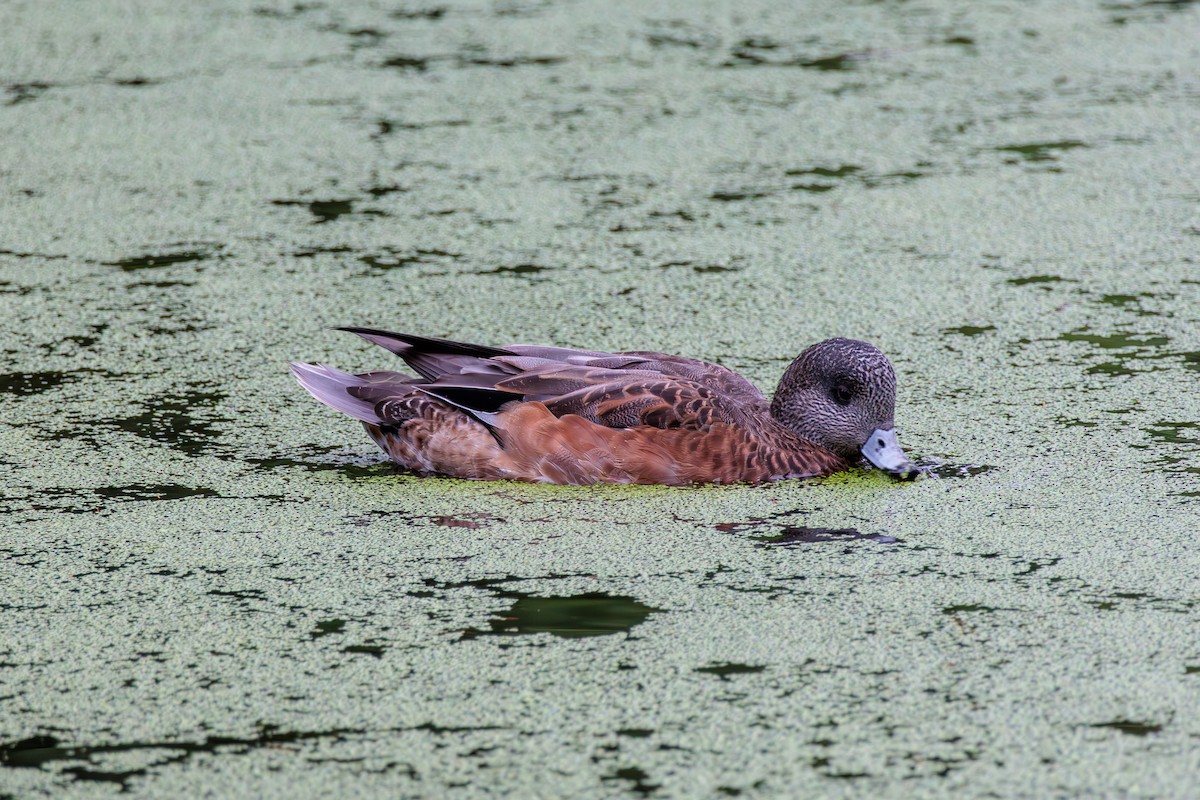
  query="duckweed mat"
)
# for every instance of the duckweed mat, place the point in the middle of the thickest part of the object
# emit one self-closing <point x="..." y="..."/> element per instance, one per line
<point x="212" y="586"/>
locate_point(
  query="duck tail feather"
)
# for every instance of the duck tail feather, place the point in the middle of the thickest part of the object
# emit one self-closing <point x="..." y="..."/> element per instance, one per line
<point x="331" y="386"/>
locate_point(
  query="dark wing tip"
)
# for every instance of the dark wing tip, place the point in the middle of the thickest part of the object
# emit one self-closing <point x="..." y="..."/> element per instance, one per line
<point x="429" y="344"/>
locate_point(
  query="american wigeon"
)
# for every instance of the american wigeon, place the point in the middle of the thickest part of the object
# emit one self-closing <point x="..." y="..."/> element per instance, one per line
<point x="558" y="415"/>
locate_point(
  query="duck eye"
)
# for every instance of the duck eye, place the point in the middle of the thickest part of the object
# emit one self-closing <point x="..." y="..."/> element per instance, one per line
<point x="842" y="394"/>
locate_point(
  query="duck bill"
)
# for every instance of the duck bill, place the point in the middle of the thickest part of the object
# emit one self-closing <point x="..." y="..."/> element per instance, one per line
<point x="884" y="452"/>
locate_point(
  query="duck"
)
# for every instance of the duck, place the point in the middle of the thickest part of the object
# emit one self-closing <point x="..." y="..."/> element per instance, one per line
<point x="565" y="416"/>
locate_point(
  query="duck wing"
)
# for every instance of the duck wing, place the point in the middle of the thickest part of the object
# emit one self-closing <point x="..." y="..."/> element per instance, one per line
<point x="616" y="390"/>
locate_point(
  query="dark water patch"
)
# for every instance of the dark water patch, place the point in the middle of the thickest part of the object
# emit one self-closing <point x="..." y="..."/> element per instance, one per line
<point x="637" y="777"/>
<point x="393" y="258"/>
<point x="8" y="287"/>
<point x="410" y="63"/>
<point x="761" y="51"/>
<point x="824" y="179"/>
<point x="1131" y="727"/>
<point x="432" y="13"/>
<point x="755" y="522"/>
<point x="1191" y="360"/>
<point x="317" y="464"/>
<point x="182" y="421"/>
<point x="136" y="82"/>
<point x="316" y="251"/>
<point x="1113" y="369"/>
<point x="816" y="188"/>
<point x="161" y="491"/>
<point x="894" y="178"/>
<point x="1110" y="341"/>
<point x="715" y="268"/>
<point x="156" y="261"/>
<point x="568" y="617"/>
<point x="1071" y="422"/>
<point x="516" y="269"/>
<point x="1127" y="353"/>
<point x="385" y="127"/>
<point x="1036" y="566"/>
<point x="1141" y="600"/>
<point x="508" y="62"/>
<point x="973" y="608"/>
<point x="661" y="39"/>
<point x="836" y="173"/>
<point x="384" y="191"/>
<point x="470" y="521"/>
<point x="494" y="585"/>
<point x="1038" y="151"/>
<point x="375" y="650"/>
<point x="44" y="751"/>
<point x="944" y="470"/>
<point x="1039" y="279"/>
<point x="19" y="253"/>
<point x="83" y="341"/>
<point x="793" y="536"/>
<point x="296" y="10"/>
<point x="160" y="284"/>
<point x="636" y="733"/>
<point x="725" y="669"/>
<point x="24" y="384"/>
<point x="683" y="216"/>
<point x="734" y="197"/>
<point x="328" y="627"/>
<point x="1124" y="13"/>
<point x="65" y="501"/>
<point x="1133" y="303"/>
<point x="1122" y="348"/>
<point x="327" y="210"/>
<point x="841" y="61"/>
<point x="246" y="595"/>
<point x="1175" y="432"/>
<point x="363" y="37"/>
<point x="969" y="330"/>
<point x="24" y="92"/>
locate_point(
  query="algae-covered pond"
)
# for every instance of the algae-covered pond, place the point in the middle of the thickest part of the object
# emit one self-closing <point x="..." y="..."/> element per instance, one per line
<point x="211" y="585"/>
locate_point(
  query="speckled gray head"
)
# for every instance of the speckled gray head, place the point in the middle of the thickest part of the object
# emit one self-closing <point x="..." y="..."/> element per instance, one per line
<point x="841" y="394"/>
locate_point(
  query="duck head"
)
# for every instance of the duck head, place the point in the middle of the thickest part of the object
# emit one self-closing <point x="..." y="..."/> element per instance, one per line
<point x="841" y="394"/>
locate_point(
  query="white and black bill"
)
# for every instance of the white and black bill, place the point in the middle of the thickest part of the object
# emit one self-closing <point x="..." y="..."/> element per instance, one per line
<point x="884" y="452"/>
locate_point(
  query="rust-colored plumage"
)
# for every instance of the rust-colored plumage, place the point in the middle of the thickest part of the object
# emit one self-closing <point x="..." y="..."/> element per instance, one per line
<point x="581" y="417"/>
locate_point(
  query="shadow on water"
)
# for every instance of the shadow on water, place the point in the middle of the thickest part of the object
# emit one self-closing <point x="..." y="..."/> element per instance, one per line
<point x="569" y="617"/>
